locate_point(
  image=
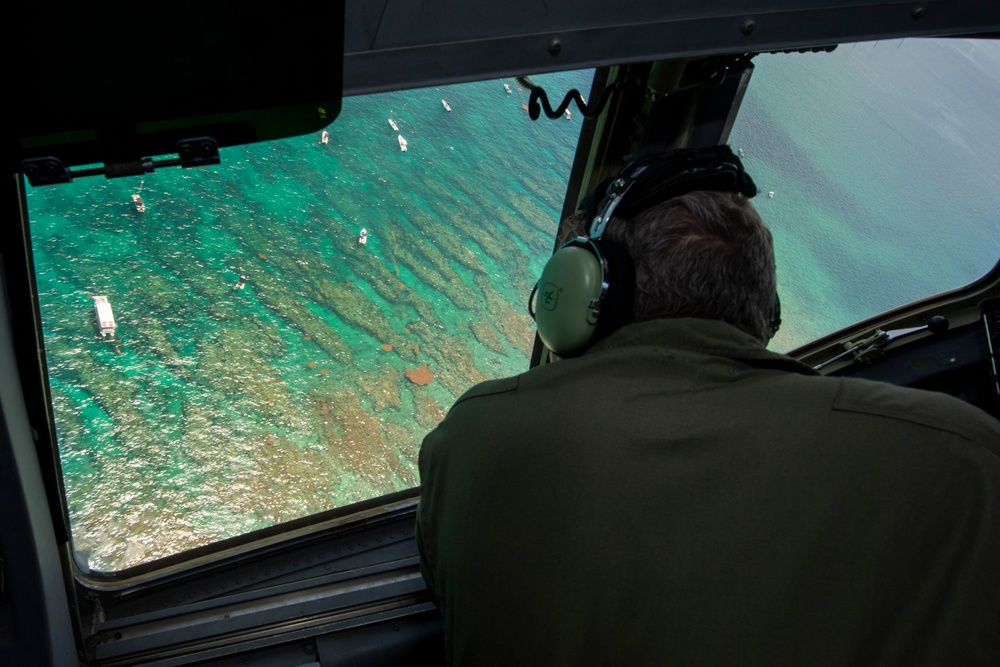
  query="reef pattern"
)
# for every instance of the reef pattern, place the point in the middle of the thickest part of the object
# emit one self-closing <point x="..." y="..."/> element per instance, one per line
<point x="266" y="365"/>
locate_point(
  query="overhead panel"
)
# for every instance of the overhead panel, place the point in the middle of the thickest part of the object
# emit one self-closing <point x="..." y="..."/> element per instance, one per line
<point x="392" y="44"/>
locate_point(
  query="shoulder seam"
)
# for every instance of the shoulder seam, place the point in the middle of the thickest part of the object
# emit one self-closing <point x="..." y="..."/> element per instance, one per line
<point x="850" y="403"/>
<point x="489" y="388"/>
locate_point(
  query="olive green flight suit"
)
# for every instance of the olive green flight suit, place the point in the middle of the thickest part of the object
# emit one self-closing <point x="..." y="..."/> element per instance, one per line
<point x="681" y="496"/>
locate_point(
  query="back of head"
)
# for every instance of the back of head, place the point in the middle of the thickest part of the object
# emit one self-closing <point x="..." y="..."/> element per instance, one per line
<point x="673" y="235"/>
<point x="703" y="254"/>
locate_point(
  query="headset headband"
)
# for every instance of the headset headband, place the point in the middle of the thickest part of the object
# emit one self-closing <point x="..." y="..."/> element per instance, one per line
<point x="587" y="288"/>
<point x="656" y="178"/>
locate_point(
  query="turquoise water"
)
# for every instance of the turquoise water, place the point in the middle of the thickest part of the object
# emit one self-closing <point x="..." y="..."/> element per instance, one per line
<point x="215" y="411"/>
<point x="886" y="178"/>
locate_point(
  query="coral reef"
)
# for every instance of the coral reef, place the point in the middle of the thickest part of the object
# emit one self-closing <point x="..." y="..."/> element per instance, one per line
<point x="382" y="387"/>
<point x="452" y="355"/>
<point x="216" y="411"/>
<point x="432" y="268"/>
<point x="515" y="325"/>
<point x="429" y="412"/>
<point x="487" y="336"/>
<point x="419" y="376"/>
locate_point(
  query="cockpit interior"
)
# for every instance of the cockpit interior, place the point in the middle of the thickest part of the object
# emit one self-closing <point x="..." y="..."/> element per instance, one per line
<point x="253" y="255"/>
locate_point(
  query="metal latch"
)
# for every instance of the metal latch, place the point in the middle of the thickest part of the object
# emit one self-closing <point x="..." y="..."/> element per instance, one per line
<point x="193" y="152"/>
<point x="870" y="348"/>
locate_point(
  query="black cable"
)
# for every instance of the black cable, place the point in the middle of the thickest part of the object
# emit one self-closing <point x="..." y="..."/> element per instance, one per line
<point x="539" y="99"/>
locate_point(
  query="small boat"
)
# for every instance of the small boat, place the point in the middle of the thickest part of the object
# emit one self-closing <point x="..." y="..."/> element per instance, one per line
<point x="567" y="114"/>
<point x="393" y="125"/>
<point x="105" y="317"/>
<point x="324" y="138"/>
<point x="741" y="153"/>
<point x="402" y="143"/>
<point x="139" y="204"/>
<point x="508" y="89"/>
<point x="771" y="193"/>
<point x="447" y="107"/>
<point x="363" y="237"/>
<point x="241" y="283"/>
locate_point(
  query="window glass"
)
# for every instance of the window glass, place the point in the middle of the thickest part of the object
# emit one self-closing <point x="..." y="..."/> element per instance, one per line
<point x="884" y="163"/>
<point x="269" y="361"/>
<point x="280" y="331"/>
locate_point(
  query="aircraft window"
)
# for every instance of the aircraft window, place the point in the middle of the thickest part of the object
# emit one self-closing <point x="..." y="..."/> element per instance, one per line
<point x="281" y="331"/>
<point x="884" y="165"/>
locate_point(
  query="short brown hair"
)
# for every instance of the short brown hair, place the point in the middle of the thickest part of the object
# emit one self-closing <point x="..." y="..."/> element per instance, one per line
<point x="703" y="254"/>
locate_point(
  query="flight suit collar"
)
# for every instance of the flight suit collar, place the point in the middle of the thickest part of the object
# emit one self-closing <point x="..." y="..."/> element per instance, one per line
<point x="712" y="337"/>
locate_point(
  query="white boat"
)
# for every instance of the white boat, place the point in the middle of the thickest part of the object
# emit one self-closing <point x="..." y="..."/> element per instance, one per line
<point x="393" y="125"/>
<point x="363" y="237"/>
<point x="771" y="193"/>
<point x="139" y="204"/>
<point x="447" y="107"/>
<point x="507" y="88"/>
<point x="402" y="143"/>
<point x="567" y="114"/>
<point x="325" y="137"/>
<point x="241" y="283"/>
<point x="105" y="317"/>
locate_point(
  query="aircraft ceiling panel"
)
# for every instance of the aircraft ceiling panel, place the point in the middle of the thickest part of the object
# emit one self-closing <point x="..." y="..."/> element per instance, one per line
<point x="391" y="45"/>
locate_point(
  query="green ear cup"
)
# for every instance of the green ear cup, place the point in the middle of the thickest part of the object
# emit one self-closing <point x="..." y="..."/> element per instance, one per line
<point x="568" y="298"/>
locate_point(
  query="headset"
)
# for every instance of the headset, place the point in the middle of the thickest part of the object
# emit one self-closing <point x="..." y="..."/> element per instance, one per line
<point x="587" y="288"/>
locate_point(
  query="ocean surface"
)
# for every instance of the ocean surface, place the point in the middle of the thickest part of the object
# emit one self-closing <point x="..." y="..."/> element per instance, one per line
<point x="215" y="411"/>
